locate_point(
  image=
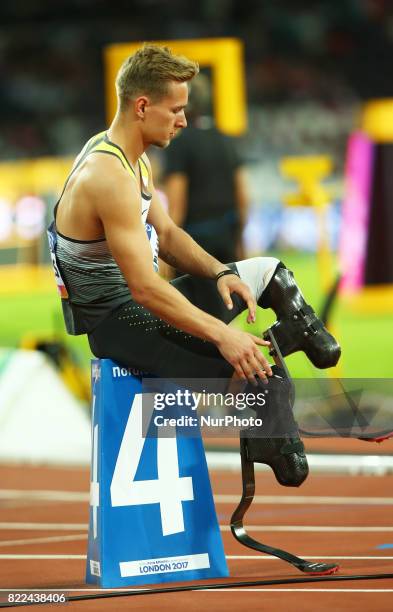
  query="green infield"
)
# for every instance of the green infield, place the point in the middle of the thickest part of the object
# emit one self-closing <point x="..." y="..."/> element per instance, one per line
<point x="366" y="338"/>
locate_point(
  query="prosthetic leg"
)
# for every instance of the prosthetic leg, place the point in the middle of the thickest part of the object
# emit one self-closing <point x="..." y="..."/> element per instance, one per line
<point x="299" y="329"/>
<point x="277" y="442"/>
<point x="284" y="454"/>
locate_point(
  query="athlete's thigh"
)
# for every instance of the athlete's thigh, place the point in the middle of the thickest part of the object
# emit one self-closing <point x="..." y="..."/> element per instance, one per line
<point x="136" y="337"/>
<point x="156" y="347"/>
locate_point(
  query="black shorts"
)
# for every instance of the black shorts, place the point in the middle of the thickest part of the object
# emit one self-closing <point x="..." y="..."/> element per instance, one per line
<point x="134" y="337"/>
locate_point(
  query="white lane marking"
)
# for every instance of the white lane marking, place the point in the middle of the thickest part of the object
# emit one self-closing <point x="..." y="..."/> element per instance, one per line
<point x="323" y="557"/>
<point x="6" y="556"/>
<point x="44" y="526"/>
<point x="242" y="590"/>
<point x="80" y="496"/>
<point x="229" y="557"/>
<point x="233" y="590"/>
<point x="308" y="499"/>
<point x="285" y="528"/>
<point x="236" y="590"/>
<point x="314" y="528"/>
<point x="47" y="540"/>
<point x="76" y="496"/>
<point x="88" y="590"/>
<point x="224" y="528"/>
<point x="44" y="495"/>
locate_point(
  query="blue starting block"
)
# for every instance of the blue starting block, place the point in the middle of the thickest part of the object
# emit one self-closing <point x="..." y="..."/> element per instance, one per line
<point x="152" y="515"/>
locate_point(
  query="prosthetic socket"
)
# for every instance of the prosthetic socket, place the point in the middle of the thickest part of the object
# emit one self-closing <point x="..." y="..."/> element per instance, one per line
<point x="277" y="442"/>
<point x="297" y="327"/>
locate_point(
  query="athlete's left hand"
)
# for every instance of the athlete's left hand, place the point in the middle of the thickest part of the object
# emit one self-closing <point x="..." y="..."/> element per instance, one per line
<point x="231" y="283"/>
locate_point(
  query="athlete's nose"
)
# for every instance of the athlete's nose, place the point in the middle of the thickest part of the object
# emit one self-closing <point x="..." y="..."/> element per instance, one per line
<point x="182" y="121"/>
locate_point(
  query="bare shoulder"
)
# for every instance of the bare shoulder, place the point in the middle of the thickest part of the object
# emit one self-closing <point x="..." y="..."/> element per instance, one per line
<point x="103" y="181"/>
<point x="103" y="172"/>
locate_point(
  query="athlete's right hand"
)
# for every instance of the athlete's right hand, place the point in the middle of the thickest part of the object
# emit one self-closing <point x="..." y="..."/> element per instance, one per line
<point x="240" y="349"/>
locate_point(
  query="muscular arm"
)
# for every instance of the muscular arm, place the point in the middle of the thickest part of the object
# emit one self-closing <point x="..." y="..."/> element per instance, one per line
<point x="116" y="202"/>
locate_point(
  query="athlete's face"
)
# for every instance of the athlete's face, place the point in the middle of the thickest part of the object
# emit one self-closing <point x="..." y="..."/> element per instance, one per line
<point x="162" y="119"/>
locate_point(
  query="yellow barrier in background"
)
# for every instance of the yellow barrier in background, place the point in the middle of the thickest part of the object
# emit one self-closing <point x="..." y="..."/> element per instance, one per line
<point x="33" y="176"/>
<point x="308" y="172"/>
<point x="377" y="120"/>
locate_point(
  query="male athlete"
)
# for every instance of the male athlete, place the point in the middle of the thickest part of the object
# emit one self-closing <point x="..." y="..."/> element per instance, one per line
<point x="109" y="227"/>
<point x="106" y="226"/>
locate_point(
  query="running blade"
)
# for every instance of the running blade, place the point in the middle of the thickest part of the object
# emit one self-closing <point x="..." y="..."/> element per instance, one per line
<point x="318" y="569"/>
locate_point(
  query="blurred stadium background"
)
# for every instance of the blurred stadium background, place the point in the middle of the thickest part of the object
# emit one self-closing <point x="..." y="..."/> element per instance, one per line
<point x="313" y="71"/>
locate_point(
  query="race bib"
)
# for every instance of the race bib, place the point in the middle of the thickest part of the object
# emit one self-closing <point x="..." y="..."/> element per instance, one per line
<point x="153" y="240"/>
<point x="52" y="239"/>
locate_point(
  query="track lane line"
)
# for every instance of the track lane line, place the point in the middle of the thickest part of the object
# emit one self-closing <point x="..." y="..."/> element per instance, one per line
<point x="78" y="496"/>
<point x="12" y="526"/>
<point x="47" y="540"/>
<point x="242" y="590"/>
<point x="257" y="590"/>
<point x="43" y="526"/>
<point x="315" y="528"/>
<point x="308" y="499"/>
<point x="223" y="528"/>
<point x="8" y="556"/>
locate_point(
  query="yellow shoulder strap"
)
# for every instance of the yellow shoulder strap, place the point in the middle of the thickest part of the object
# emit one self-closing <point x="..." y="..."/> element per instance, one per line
<point x="106" y="147"/>
<point x="99" y="143"/>
<point x="144" y="169"/>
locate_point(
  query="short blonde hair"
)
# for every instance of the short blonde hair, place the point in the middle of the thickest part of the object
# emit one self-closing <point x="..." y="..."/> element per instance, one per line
<point x="149" y="70"/>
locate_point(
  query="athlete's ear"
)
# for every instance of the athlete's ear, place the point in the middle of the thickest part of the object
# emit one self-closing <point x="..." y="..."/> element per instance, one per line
<point x="140" y="105"/>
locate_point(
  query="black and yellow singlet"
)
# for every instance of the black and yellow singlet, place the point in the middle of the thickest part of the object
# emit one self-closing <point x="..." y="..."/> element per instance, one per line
<point x="89" y="280"/>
